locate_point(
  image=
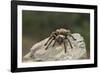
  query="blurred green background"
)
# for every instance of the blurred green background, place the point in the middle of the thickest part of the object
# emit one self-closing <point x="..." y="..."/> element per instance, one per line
<point x="38" y="25"/>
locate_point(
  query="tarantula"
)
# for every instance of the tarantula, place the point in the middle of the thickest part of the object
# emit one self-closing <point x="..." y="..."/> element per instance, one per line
<point x="59" y="36"/>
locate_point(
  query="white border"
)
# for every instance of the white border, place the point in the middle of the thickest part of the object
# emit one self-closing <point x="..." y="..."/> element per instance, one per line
<point x="53" y="63"/>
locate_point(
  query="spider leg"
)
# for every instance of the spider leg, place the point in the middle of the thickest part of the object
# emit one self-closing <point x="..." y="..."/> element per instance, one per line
<point x="69" y="43"/>
<point x="49" y="44"/>
<point x="54" y="43"/>
<point x="65" y="46"/>
<point x="72" y="37"/>
<point x="48" y="40"/>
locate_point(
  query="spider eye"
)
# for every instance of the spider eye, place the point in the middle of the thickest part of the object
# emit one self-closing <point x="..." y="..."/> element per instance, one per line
<point x="56" y="33"/>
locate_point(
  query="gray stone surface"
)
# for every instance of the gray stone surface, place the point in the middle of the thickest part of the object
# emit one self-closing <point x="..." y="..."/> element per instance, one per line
<point x="38" y="52"/>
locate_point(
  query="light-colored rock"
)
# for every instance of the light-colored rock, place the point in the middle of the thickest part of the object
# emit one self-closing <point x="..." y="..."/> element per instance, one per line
<point x="38" y="52"/>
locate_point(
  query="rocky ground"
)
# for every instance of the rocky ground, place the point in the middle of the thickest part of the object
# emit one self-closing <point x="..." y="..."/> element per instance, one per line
<point x="38" y="52"/>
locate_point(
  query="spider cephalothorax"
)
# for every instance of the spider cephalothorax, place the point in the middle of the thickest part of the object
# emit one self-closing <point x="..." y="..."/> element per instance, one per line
<point x="59" y="36"/>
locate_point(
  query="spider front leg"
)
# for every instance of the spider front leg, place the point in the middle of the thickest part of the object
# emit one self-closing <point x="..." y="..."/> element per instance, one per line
<point x="65" y="46"/>
<point x="49" y="43"/>
<point x="48" y="40"/>
<point x="51" y="36"/>
<point x="70" y="43"/>
<point x="54" y="43"/>
<point x="72" y="36"/>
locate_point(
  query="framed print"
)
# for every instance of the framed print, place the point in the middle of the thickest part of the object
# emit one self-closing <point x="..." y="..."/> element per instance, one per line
<point x="52" y="36"/>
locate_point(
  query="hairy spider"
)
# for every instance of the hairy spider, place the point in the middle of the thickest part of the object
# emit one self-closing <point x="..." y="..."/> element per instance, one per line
<point x="59" y="36"/>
